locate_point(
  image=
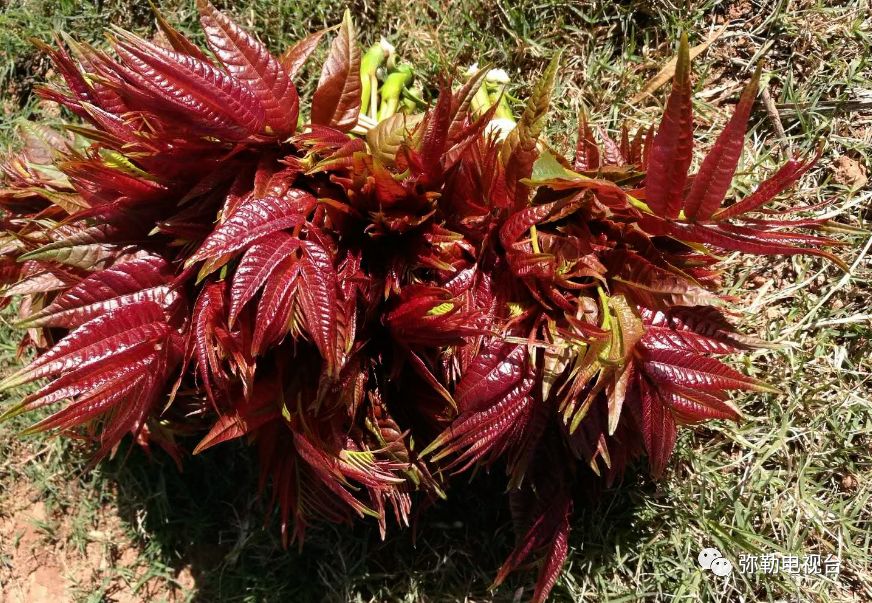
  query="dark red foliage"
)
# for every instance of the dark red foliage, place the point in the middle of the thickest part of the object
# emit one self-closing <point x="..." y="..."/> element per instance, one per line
<point x="204" y="260"/>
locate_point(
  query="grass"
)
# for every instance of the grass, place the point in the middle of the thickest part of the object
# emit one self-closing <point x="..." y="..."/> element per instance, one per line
<point x="794" y="478"/>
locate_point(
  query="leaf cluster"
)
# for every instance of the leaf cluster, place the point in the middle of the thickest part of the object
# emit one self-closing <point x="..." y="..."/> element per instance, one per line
<point x="201" y="256"/>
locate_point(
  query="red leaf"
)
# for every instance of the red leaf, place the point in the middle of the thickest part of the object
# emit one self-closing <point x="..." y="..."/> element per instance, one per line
<point x="318" y="300"/>
<point x="624" y="147"/>
<point x="694" y="406"/>
<point x="275" y="306"/>
<point x="89" y="380"/>
<point x="672" y="148"/>
<point x="764" y="235"/>
<point x="435" y="137"/>
<point x="295" y="56"/>
<point x="658" y="428"/>
<point x="208" y="316"/>
<point x="178" y="41"/>
<point x="125" y="355"/>
<point x="611" y="154"/>
<point x="788" y="174"/>
<point x="253" y="219"/>
<point x="520" y="222"/>
<point x="491" y="375"/>
<point x="673" y="339"/>
<point x="715" y="175"/>
<point x="248" y="415"/>
<point x="712" y="235"/>
<point x="635" y="151"/>
<point x="646" y="148"/>
<point x="255" y="267"/>
<point x="548" y="533"/>
<point x="460" y="103"/>
<point x="249" y="61"/>
<point x="52" y="278"/>
<point x="191" y="85"/>
<point x="701" y="329"/>
<point x="337" y="98"/>
<point x="467" y="137"/>
<point x="694" y="371"/>
<point x="587" y="155"/>
<point x="125" y="283"/>
<point x="486" y="434"/>
<point x="96" y="341"/>
<point x="429" y="316"/>
<point x="95" y="402"/>
<point x="75" y="81"/>
<point x="554" y="558"/>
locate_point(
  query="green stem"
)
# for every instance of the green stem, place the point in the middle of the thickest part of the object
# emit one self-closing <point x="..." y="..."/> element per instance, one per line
<point x="503" y="111"/>
<point x="534" y="239"/>
<point x="392" y="89"/>
<point x="369" y="64"/>
<point x="604" y="301"/>
<point x="373" y="96"/>
<point x="495" y="83"/>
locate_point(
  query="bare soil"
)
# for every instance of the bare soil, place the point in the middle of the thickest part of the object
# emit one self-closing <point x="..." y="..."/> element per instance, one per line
<point x="39" y="562"/>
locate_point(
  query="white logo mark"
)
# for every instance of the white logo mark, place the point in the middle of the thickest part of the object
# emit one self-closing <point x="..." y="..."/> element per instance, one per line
<point x="711" y="559"/>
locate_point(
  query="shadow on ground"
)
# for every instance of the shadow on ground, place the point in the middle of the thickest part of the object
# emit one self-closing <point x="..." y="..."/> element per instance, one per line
<point x="210" y="520"/>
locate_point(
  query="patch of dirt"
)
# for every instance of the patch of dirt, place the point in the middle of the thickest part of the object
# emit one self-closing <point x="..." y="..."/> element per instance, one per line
<point x="29" y="573"/>
<point x="39" y="562"/>
<point x="740" y="10"/>
<point x="849" y="172"/>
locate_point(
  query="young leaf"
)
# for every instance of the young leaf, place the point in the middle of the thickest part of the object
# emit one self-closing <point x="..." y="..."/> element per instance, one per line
<point x="295" y="56"/>
<point x="786" y="176"/>
<point x="658" y="428"/>
<point x="460" y="104"/>
<point x="656" y="287"/>
<point x="253" y="219"/>
<point x="336" y="101"/>
<point x="711" y="183"/>
<point x="256" y="266"/>
<point x="521" y="150"/>
<point x="250" y="62"/>
<point x="318" y="300"/>
<point x="672" y="149"/>
<point x="125" y="283"/>
<point x="435" y="136"/>
<point x="587" y="155"/>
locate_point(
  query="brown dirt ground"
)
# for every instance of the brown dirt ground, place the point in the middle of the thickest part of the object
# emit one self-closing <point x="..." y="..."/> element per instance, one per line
<point x="40" y="564"/>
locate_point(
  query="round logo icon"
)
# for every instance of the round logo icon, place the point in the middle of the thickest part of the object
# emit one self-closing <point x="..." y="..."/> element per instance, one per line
<point x="707" y="556"/>
<point x="721" y="567"/>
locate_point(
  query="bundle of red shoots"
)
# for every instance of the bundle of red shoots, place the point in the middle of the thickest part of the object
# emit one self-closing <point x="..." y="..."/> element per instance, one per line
<point x="198" y="259"/>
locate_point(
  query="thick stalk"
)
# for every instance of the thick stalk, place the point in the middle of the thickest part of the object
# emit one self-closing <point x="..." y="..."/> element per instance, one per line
<point x="369" y="64"/>
<point x="392" y="89"/>
<point x="495" y="83"/>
